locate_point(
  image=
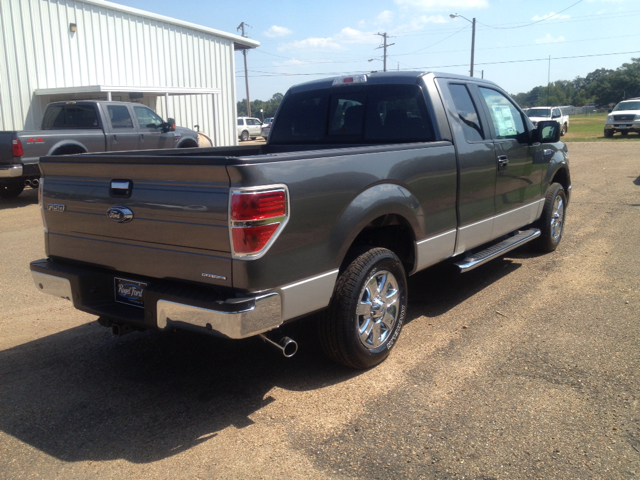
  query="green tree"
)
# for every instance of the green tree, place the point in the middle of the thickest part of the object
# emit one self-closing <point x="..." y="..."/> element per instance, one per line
<point x="268" y="108"/>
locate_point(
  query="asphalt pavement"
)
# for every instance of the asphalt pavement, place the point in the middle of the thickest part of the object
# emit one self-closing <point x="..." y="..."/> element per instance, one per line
<point x="527" y="367"/>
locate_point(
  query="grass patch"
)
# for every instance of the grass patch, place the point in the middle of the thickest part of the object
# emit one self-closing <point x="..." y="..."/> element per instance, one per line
<point x="590" y="128"/>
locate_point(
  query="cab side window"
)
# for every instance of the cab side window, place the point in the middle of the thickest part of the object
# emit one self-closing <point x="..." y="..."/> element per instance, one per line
<point x="467" y="113"/>
<point x="506" y="118"/>
<point x="119" y="116"/>
<point x="148" y="119"/>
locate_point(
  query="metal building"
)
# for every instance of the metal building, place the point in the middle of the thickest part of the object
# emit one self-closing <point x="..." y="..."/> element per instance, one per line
<point x="52" y="50"/>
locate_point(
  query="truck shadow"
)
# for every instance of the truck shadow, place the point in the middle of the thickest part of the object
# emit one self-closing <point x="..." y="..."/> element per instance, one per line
<point x="82" y="394"/>
<point x="436" y="290"/>
<point x="28" y="197"/>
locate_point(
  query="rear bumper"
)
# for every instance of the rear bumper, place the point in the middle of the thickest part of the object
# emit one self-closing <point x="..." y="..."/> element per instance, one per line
<point x="15" y="170"/>
<point x="10" y="171"/>
<point x="167" y="304"/>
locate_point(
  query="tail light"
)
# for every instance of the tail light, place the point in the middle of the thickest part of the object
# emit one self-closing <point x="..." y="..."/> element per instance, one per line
<point x="16" y="146"/>
<point x="256" y="217"/>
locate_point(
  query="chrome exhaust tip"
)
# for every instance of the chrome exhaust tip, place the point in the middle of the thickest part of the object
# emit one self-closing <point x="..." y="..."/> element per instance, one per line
<point x="288" y="346"/>
<point x="35" y="182"/>
<point x="27" y="183"/>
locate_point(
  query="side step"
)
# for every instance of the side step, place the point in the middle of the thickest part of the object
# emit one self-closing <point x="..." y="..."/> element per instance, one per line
<point x="475" y="260"/>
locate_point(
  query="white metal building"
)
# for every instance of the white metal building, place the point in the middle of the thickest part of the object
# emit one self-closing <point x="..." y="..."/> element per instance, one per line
<point x="53" y="50"/>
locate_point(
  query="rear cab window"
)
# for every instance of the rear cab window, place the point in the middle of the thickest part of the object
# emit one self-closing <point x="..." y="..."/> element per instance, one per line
<point x="70" y="116"/>
<point x="355" y="115"/>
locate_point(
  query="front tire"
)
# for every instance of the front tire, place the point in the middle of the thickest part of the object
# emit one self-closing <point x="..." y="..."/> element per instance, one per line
<point x="551" y="222"/>
<point x="608" y="134"/>
<point x="367" y="310"/>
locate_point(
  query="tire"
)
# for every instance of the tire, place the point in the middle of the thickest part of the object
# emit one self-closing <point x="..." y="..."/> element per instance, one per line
<point x="367" y="310"/>
<point x="563" y="131"/>
<point x="608" y="134"/>
<point x="244" y="136"/>
<point x="10" y="189"/>
<point x="551" y="223"/>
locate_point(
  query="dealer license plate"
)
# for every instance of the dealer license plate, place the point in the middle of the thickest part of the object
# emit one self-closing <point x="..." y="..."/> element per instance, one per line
<point x="621" y="126"/>
<point x="129" y="292"/>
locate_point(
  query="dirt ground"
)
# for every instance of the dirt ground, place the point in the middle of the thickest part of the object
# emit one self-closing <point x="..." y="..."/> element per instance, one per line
<point x="527" y="367"/>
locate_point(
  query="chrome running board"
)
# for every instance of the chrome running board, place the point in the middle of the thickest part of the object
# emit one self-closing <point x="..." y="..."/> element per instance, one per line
<point x="475" y="260"/>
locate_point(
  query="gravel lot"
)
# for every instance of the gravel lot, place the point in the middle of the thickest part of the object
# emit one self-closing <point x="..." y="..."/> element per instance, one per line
<point x="527" y="367"/>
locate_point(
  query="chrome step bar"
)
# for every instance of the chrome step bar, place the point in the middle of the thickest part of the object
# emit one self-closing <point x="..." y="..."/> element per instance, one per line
<point x="476" y="259"/>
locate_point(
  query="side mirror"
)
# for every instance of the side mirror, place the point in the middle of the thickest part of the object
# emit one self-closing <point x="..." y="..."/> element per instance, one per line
<point x="548" y="131"/>
<point x="170" y="126"/>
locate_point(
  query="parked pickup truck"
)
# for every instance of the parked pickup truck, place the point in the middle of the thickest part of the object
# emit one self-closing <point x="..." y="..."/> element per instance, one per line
<point x="538" y="114"/>
<point x="364" y="180"/>
<point x="84" y="126"/>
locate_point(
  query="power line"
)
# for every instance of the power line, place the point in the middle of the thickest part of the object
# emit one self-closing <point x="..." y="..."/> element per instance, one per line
<point x="537" y="21"/>
<point x="546" y="59"/>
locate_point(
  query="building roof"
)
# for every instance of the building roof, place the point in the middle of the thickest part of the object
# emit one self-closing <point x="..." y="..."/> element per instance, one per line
<point x="239" y="42"/>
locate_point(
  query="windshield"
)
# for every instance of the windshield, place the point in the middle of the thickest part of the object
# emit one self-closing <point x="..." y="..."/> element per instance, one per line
<point x="539" y="112"/>
<point x="627" y="106"/>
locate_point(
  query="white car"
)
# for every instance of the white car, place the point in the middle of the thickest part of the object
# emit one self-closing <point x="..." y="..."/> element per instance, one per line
<point x="248" y="127"/>
<point x="624" y="118"/>
<point x="538" y="114"/>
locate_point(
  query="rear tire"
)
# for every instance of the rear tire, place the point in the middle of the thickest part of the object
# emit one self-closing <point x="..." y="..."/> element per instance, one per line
<point x="244" y="136"/>
<point x="551" y="223"/>
<point x="11" y="189"/>
<point x="367" y="310"/>
<point x="563" y="131"/>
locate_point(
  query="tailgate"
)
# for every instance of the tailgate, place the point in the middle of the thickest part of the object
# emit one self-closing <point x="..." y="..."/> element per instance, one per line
<point x="6" y="147"/>
<point x="178" y="227"/>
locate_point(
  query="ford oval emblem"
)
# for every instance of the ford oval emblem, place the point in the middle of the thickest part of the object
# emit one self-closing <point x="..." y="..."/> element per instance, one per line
<point x="120" y="214"/>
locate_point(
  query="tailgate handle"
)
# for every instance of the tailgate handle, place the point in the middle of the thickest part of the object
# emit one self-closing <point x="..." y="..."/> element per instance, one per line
<point x="121" y="188"/>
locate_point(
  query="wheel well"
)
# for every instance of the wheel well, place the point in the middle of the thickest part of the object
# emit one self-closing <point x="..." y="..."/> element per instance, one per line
<point x="188" y="144"/>
<point x="388" y="231"/>
<point x="69" y="150"/>
<point x="562" y="178"/>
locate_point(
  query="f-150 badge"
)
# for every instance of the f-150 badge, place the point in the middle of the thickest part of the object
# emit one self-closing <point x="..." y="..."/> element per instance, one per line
<point x="120" y="214"/>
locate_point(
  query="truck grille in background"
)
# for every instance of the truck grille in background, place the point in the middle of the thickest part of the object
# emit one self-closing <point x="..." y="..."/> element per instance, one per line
<point x="619" y="118"/>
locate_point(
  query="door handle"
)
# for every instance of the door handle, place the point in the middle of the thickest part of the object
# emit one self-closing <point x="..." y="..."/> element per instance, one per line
<point x="115" y="139"/>
<point x="503" y="163"/>
<point x="142" y="137"/>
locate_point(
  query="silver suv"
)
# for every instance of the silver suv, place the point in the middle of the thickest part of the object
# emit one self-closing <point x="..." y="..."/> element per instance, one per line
<point x="248" y="127"/>
<point x="624" y="118"/>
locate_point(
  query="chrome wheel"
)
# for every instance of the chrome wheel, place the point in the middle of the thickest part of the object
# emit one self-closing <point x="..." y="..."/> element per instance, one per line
<point x="557" y="218"/>
<point x="377" y="310"/>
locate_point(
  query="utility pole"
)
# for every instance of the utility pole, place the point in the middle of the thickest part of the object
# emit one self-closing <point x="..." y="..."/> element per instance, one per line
<point x="473" y="43"/>
<point x="246" y="75"/>
<point x="549" y="81"/>
<point x="384" y="36"/>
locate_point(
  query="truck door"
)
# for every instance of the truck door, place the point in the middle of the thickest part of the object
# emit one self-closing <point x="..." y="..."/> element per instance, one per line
<point x="150" y="128"/>
<point x="476" y="165"/>
<point x="518" y="180"/>
<point x="122" y="135"/>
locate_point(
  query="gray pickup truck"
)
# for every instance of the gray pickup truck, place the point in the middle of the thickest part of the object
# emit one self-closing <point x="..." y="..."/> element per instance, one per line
<point x="84" y="126"/>
<point x="364" y="180"/>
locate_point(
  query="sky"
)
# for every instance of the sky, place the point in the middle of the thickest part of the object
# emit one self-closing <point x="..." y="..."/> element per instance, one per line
<point x="303" y="40"/>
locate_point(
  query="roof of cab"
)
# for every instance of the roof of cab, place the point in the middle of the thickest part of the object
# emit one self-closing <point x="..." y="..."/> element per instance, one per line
<point x="382" y="78"/>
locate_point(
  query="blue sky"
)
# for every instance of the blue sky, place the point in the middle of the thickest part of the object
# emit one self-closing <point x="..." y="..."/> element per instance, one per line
<point x="302" y="41"/>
